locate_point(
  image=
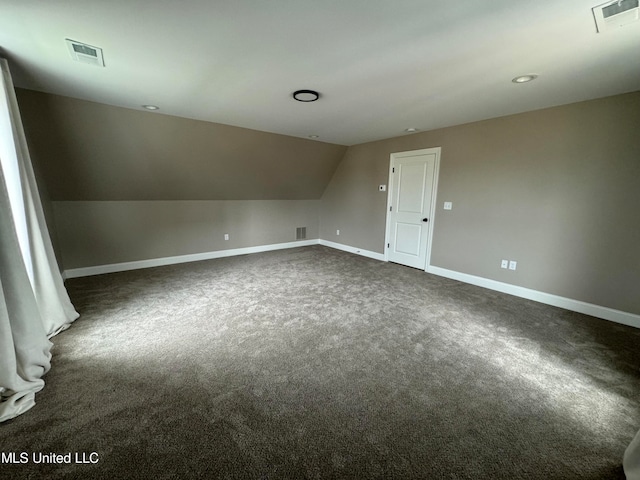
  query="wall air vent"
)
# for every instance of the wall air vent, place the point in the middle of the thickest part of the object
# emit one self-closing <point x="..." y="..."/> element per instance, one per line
<point x="81" y="52"/>
<point x="613" y="15"/>
<point x="301" y="233"/>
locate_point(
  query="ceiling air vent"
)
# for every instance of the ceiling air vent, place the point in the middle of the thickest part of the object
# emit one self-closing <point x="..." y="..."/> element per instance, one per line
<point x="81" y="52"/>
<point x="612" y="15"/>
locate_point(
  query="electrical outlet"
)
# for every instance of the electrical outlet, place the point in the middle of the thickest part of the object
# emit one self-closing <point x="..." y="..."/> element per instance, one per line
<point x="504" y="264"/>
<point x="337" y="232"/>
<point x="513" y="265"/>
<point x="226" y="236"/>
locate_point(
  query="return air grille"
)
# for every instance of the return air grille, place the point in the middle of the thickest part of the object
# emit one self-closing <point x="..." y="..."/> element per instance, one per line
<point x="81" y="52"/>
<point x="612" y="15"/>
<point x="301" y="233"/>
<point x="619" y="7"/>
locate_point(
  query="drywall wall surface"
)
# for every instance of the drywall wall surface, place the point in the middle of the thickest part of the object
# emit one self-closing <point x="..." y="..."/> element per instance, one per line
<point x="102" y="233"/>
<point x="46" y="206"/>
<point x="99" y="152"/>
<point x="352" y="203"/>
<point x="556" y="190"/>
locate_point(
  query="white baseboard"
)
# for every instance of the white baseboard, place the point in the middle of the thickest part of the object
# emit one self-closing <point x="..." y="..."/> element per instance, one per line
<point x="358" y="251"/>
<point x="195" y="257"/>
<point x="158" y="262"/>
<point x="606" y="313"/>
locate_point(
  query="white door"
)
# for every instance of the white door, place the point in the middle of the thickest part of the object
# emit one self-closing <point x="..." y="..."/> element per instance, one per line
<point x="410" y="207"/>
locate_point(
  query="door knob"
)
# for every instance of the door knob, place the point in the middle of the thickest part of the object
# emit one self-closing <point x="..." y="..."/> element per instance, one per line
<point x="425" y="219"/>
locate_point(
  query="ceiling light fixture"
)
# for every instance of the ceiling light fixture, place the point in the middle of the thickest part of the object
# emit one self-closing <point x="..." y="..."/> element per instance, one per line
<point x="306" y="95"/>
<point x="151" y="107"/>
<point x="314" y="136"/>
<point x="525" y="78"/>
<point x="410" y="130"/>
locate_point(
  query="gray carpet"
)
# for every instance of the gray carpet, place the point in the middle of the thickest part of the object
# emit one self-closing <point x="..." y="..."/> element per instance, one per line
<point x="315" y="363"/>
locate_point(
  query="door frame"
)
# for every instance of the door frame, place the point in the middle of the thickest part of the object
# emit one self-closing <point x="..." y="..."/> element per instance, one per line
<point x="434" y="193"/>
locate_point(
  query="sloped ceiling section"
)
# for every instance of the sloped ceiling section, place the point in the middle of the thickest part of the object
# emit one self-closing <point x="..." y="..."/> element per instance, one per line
<point x="91" y="151"/>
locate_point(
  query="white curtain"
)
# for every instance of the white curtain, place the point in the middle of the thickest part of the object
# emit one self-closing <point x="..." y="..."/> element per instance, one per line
<point x="34" y="304"/>
<point x="631" y="460"/>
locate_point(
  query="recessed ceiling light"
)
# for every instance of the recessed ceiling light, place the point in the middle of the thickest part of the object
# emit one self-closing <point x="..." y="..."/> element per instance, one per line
<point x="410" y="129"/>
<point x="151" y="107"/>
<point x="306" y="95"/>
<point x="314" y="136"/>
<point x="524" y="78"/>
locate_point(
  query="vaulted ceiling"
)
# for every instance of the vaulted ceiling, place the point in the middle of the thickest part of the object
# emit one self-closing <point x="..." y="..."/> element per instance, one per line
<point x="381" y="66"/>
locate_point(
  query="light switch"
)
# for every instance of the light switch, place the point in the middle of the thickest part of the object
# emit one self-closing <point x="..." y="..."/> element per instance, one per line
<point x="448" y="205"/>
<point x="512" y="265"/>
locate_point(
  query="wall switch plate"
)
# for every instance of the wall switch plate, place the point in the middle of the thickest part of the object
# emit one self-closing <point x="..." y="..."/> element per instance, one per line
<point x="512" y="265"/>
<point x="382" y="188"/>
<point x="226" y="236"/>
<point x="504" y="264"/>
<point x="448" y="205"/>
<point x="337" y="232"/>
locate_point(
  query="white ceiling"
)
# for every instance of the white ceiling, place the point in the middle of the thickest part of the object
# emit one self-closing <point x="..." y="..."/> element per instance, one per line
<point x="381" y="65"/>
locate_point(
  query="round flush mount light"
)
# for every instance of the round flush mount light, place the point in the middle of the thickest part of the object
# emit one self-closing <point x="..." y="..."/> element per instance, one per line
<point x="314" y="136"/>
<point x="306" y="95"/>
<point x="525" y="78"/>
<point x="151" y="107"/>
<point x="411" y="130"/>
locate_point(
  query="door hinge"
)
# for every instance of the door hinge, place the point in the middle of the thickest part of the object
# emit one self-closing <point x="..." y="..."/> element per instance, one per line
<point x="393" y="170"/>
<point x="388" y="245"/>
<point x="391" y="209"/>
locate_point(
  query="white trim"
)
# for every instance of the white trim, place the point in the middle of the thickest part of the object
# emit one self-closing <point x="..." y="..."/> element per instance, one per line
<point x="158" y="262"/>
<point x="606" y="313"/>
<point x="357" y="251"/>
<point x="387" y="217"/>
<point x="434" y="193"/>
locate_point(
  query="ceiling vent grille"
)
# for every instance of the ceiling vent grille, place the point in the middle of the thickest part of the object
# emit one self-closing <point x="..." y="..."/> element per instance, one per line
<point x="81" y="52"/>
<point x="616" y="14"/>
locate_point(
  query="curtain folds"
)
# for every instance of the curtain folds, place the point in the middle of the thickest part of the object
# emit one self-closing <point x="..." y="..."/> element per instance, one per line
<point x="34" y="304"/>
<point x="631" y="460"/>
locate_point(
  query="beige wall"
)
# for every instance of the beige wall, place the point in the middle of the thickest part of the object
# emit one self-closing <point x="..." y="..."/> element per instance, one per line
<point x="130" y="185"/>
<point x="47" y="207"/>
<point x="101" y="233"/>
<point x="557" y="190"/>
<point x="100" y="152"/>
